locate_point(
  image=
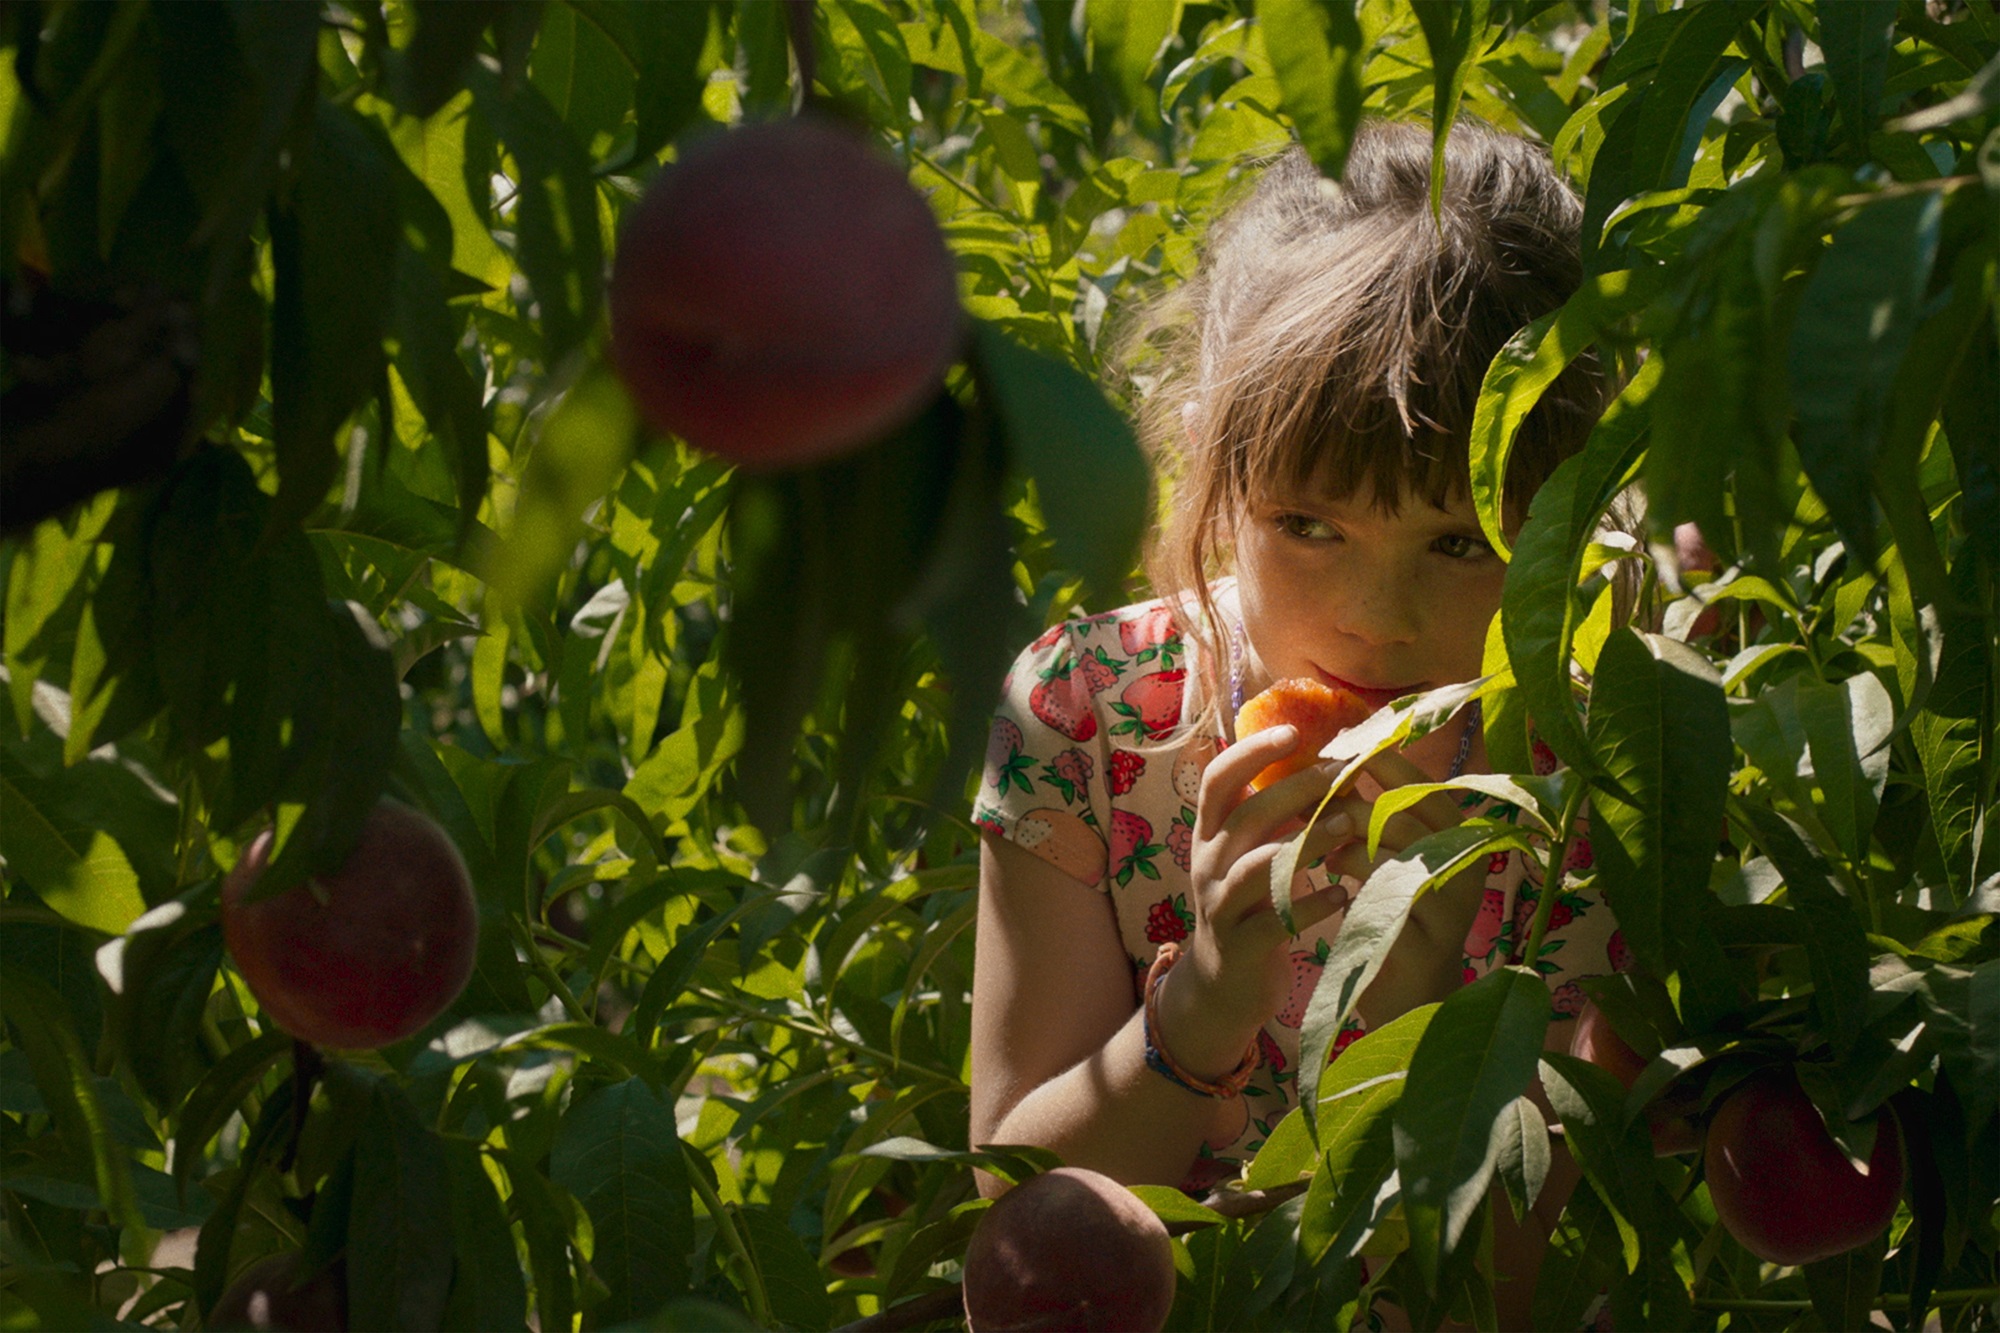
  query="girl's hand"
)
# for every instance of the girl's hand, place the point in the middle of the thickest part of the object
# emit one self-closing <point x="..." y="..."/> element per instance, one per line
<point x="1441" y="916"/>
<point x="1237" y="969"/>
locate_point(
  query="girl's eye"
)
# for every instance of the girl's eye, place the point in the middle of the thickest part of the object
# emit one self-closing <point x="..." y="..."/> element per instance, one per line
<point x="1306" y="527"/>
<point x="1459" y="546"/>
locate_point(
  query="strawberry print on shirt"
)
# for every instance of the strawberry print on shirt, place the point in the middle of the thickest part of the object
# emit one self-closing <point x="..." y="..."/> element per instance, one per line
<point x="1092" y="766"/>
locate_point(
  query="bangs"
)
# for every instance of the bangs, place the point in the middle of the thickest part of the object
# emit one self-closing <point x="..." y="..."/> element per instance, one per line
<point x="1375" y="404"/>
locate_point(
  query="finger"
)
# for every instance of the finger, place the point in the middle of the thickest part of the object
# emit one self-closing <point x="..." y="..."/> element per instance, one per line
<point x="1315" y="908"/>
<point x="1350" y="856"/>
<point x="1275" y="814"/>
<point x="1226" y="780"/>
<point x="1392" y="769"/>
<point x="1247" y="903"/>
<point x="1356" y="812"/>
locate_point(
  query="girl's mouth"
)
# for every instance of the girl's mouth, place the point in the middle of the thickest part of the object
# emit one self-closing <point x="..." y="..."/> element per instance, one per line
<point x="1374" y="695"/>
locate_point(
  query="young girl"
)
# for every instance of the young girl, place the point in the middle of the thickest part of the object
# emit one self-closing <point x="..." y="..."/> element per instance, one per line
<point x="1322" y="372"/>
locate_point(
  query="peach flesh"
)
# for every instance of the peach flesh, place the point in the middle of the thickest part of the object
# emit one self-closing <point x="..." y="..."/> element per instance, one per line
<point x="1320" y="712"/>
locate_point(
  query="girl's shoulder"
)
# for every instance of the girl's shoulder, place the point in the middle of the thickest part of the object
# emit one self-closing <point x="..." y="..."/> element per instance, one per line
<point x="1090" y="762"/>
<point x="1120" y="676"/>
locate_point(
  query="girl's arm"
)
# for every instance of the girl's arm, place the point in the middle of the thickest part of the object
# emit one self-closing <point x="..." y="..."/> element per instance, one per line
<point x="1058" y="1045"/>
<point x="1057" y="1051"/>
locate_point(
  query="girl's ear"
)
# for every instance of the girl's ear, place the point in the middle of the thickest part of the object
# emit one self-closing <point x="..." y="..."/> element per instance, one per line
<point x="1191" y="419"/>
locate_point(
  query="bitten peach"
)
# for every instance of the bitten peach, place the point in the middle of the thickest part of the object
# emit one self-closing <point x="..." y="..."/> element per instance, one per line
<point x="1320" y="712"/>
<point x="369" y="954"/>
<point x="781" y="296"/>
<point x="1069" y="1249"/>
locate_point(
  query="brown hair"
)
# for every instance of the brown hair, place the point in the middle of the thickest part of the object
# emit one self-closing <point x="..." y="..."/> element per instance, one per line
<point x="1338" y="333"/>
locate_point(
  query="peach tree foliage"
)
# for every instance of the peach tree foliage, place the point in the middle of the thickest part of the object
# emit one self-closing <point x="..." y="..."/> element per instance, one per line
<point x="314" y="486"/>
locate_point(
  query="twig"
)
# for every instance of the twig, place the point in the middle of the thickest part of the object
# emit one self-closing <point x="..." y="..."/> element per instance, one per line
<point x="1943" y="184"/>
<point x="1552" y="881"/>
<point x="541" y="967"/>
<point x="957" y="184"/>
<point x="747" y="1014"/>
<point x="1888" y="1300"/>
<point x="753" y="1277"/>
<point x="1249" y="1203"/>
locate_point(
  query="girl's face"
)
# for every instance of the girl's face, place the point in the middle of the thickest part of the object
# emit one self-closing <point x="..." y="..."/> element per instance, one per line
<point x="1382" y="605"/>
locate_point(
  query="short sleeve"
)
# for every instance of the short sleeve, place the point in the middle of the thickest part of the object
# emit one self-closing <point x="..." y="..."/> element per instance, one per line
<point x="1043" y="785"/>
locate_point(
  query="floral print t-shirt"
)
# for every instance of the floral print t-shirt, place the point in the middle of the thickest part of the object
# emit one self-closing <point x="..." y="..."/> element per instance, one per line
<point x="1091" y="766"/>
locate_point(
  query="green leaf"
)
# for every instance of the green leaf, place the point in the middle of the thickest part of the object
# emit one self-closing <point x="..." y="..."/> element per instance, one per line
<point x="685" y="764"/>
<point x="1855" y="36"/>
<point x="570" y="806"/>
<point x="42" y="1030"/>
<point x="159" y="975"/>
<point x="584" y="445"/>
<point x="399" y="1232"/>
<point x="42" y="580"/>
<point x="1358" y="1097"/>
<point x="1316" y="53"/>
<point x="1540" y="611"/>
<point x="1524" y="369"/>
<point x="435" y="151"/>
<point x="1132" y="32"/>
<point x="236" y="87"/>
<point x="1980" y="94"/>
<point x="1616" y="1156"/>
<point x="1844" y="1288"/>
<point x="1848" y="727"/>
<point x="1014" y="1161"/>
<point x="220" y="1095"/>
<point x="80" y="872"/>
<point x="333" y="250"/>
<point x="1855" y="318"/>
<point x="1668" y="124"/>
<point x="791" y="1276"/>
<point x="1476" y="1057"/>
<point x="487" y="1292"/>
<point x="560" y="248"/>
<point x="1451" y="28"/>
<point x="427" y="338"/>
<point x="1087" y="468"/>
<point x="1953" y="733"/>
<point x="587" y="77"/>
<point x="1972" y="422"/>
<point x="668" y="41"/>
<point x="350" y="742"/>
<point x="218" y="1234"/>
<point x="1953" y="340"/>
<point x="617" y="1151"/>
<point x="612" y="1050"/>
<point x="1660" y="728"/>
<point x="1371" y="928"/>
<point x="543" y="1213"/>
<point x="1520" y="1153"/>
<point x="447" y="37"/>
<point x="1582" y="1260"/>
<point x="1836" y="946"/>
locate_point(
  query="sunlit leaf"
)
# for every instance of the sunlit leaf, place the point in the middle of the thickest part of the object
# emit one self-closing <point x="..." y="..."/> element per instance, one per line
<point x="1475" y="1059"/>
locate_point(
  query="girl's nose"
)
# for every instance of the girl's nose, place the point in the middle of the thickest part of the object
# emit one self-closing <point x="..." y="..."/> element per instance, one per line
<point x="1380" y="604"/>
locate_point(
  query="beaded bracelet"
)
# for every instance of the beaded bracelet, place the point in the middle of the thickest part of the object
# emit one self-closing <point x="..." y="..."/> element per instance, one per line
<point x="1230" y="1084"/>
